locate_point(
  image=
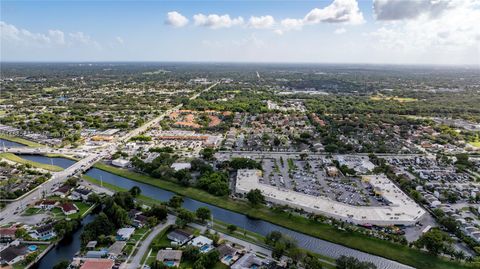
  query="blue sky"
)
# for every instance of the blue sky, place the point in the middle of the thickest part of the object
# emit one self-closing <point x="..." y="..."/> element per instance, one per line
<point x="339" y="31"/>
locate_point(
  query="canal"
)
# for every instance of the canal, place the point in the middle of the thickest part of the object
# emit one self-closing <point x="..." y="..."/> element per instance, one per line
<point x="243" y="222"/>
<point x="65" y="249"/>
<point x="10" y="144"/>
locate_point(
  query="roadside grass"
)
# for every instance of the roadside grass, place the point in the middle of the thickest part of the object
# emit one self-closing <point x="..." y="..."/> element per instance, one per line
<point x="32" y="211"/>
<point x="389" y="250"/>
<point x="14" y="158"/>
<point x="21" y="141"/>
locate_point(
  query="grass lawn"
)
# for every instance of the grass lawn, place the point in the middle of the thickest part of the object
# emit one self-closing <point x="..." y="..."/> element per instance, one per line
<point x="137" y="235"/>
<point x="14" y="158"/>
<point x="402" y="254"/>
<point x="21" y="141"/>
<point x="32" y="211"/>
<point x="161" y="241"/>
<point x="83" y="209"/>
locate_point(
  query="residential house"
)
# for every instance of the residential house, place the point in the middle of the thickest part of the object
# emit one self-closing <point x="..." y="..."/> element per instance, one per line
<point x="169" y="257"/>
<point x="98" y="264"/>
<point x="80" y="194"/>
<point x="180" y="237"/>
<point x="226" y="253"/>
<point x="13" y="254"/>
<point x="124" y="234"/>
<point x="46" y="204"/>
<point x="115" y="249"/>
<point x="7" y="234"/>
<point x="204" y="243"/>
<point x="69" y="208"/>
<point x="44" y="232"/>
<point x="63" y="190"/>
<point x="249" y="260"/>
<point x="96" y="254"/>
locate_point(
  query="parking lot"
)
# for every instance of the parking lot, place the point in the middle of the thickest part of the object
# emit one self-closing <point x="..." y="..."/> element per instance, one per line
<point x="310" y="177"/>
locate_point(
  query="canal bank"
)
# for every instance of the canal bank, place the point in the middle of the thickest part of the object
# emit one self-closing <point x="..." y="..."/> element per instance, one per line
<point x="311" y="243"/>
<point x="258" y="226"/>
<point x="65" y="249"/>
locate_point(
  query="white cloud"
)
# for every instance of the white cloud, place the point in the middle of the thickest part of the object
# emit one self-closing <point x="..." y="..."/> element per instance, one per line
<point x="10" y="34"/>
<point x="83" y="39"/>
<point x="402" y="9"/>
<point x="339" y="11"/>
<point x="262" y="22"/>
<point x="340" y="31"/>
<point x="215" y="21"/>
<point x="57" y="36"/>
<point x="291" y="24"/>
<point x="176" y="19"/>
<point x="454" y="29"/>
<point x="119" y="40"/>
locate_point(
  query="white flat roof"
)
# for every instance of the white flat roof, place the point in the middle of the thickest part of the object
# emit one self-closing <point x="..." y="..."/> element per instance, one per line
<point x="402" y="211"/>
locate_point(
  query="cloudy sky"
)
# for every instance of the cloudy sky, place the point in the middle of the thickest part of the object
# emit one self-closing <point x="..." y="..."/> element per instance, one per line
<point x="320" y="31"/>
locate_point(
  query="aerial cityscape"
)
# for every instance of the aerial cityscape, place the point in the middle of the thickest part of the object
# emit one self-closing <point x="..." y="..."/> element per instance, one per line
<point x="269" y="134"/>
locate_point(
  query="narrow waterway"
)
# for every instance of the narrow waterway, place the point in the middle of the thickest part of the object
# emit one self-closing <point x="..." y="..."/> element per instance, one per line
<point x="65" y="249"/>
<point x="10" y="144"/>
<point x="243" y="222"/>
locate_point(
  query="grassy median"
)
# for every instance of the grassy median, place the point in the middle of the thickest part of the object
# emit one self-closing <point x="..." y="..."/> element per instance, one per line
<point x="389" y="250"/>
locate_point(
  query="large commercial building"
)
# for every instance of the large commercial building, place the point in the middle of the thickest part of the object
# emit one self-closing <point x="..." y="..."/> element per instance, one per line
<point x="401" y="209"/>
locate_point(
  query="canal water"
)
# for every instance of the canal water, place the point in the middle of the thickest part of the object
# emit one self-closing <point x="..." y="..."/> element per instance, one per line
<point x="65" y="249"/>
<point x="243" y="222"/>
<point x="10" y="144"/>
<point x="61" y="162"/>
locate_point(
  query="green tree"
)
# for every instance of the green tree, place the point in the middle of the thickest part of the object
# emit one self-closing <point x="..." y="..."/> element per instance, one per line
<point x="184" y="217"/>
<point x="255" y="197"/>
<point x="231" y="228"/>
<point x="346" y="262"/>
<point x="312" y="262"/>
<point x="208" y="153"/>
<point x="203" y="213"/>
<point x="135" y="191"/>
<point x="159" y="212"/>
<point x="435" y="241"/>
<point x="176" y="201"/>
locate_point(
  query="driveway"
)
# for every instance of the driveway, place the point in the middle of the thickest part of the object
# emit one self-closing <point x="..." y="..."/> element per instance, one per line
<point x="145" y="244"/>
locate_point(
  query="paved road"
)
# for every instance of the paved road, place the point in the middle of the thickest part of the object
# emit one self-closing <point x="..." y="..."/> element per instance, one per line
<point x="145" y="244"/>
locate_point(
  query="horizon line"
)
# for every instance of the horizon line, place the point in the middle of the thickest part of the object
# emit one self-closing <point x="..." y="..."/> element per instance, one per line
<point x="236" y="62"/>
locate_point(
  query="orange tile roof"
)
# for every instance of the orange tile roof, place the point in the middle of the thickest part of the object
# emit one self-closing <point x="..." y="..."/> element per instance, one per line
<point x="98" y="264"/>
